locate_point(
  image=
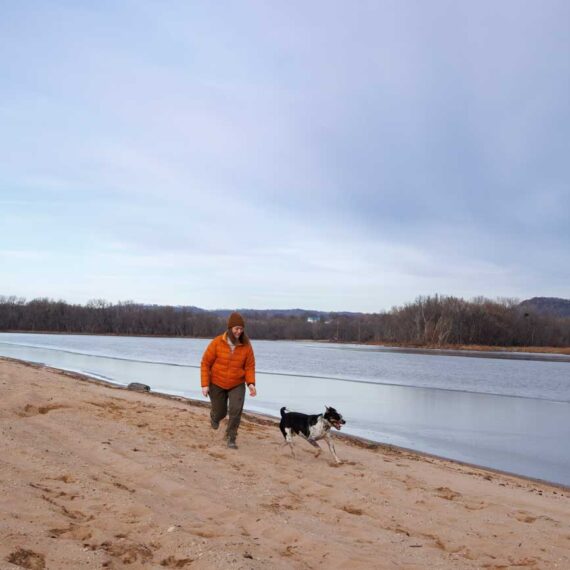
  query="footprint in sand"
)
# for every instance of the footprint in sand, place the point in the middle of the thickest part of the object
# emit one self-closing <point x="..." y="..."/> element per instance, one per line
<point x="476" y="506"/>
<point x="352" y="510"/>
<point x="126" y="552"/>
<point x="27" y="559"/>
<point x="447" y="493"/>
<point x="122" y="487"/>
<point x="76" y="532"/>
<point x="522" y="561"/>
<point x="216" y="455"/>
<point x="205" y="533"/>
<point x="30" y="410"/>
<point x="523" y="516"/>
<point x="49" y="495"/>
<point x="172" y="562"/>
<point x="288" y="551"/>
<point x="399" y="530"/>
<point x="279" y="504"/>
<point x="66" y="478"/>
<point x="461" y="550"/>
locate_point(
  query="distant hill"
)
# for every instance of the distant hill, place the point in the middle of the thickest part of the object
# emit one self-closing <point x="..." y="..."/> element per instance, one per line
<point x="268" y="313"/>
<point x="260" y="313"/>
<point x="547" y="306"/>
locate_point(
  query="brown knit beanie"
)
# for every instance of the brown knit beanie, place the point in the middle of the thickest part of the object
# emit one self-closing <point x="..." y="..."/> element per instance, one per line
<point x="236" y="320"/>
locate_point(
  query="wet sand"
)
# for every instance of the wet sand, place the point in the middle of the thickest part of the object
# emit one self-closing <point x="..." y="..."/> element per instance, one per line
<point x="94" y="476"/>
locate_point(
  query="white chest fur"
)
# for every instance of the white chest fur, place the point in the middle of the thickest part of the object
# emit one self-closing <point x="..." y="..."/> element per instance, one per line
<point x="320" y="429"/>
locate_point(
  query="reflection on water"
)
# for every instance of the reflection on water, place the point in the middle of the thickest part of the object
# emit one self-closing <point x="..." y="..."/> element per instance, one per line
<point x="521" y="435"/>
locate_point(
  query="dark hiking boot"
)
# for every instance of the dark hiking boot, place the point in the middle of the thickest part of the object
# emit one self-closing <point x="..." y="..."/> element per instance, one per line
<point x="214" y="424"/>
<point x="232" y="444"/>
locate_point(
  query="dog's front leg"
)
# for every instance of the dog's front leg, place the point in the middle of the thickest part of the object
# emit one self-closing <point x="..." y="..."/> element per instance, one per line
<point x="331" y="447"/>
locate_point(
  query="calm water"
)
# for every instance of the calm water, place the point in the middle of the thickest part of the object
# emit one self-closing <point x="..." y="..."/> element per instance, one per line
<point x="507" y="414"/>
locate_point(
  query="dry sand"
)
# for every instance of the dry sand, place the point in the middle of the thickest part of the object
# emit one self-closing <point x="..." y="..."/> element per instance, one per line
<point x="94" y="476"/>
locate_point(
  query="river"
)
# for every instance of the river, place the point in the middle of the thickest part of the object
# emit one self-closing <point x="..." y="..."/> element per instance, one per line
<point x="507" y="412"/>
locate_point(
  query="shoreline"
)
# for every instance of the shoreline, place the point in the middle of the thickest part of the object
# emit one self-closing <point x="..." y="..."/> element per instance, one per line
<point x="563" y="350"/>
<point x="96" y="475"/>
<point x="267" y="419"/>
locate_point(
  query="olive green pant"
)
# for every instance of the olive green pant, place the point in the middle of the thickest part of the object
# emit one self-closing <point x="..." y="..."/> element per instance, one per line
<point x="228" y="402"/>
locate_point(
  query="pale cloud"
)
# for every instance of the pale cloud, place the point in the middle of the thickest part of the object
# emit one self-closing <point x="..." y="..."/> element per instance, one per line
<point x="273" y="155"/>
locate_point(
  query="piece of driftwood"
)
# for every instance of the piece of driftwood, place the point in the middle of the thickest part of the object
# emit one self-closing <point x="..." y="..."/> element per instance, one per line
<point x="138" y="387"/>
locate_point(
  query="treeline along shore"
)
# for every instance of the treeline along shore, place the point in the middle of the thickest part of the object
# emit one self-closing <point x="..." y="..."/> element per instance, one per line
<point x="433" y="321"/>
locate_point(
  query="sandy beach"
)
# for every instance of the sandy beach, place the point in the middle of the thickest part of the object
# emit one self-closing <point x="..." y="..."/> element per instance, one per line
<point x="95" y="476"/>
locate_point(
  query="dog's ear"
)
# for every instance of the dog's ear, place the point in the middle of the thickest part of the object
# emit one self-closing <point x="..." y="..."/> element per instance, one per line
<point x="327" y="408"/>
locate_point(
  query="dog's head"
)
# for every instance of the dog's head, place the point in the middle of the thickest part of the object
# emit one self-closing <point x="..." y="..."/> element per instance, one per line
<point x="333" y="417"/>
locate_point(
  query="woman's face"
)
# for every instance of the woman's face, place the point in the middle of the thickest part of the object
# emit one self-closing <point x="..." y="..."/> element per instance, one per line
<point x="236" y="331"/>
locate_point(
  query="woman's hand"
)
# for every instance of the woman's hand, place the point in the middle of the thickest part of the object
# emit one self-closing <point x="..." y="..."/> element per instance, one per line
<point x="252" y="390"/>
<point x="205" y="391"/>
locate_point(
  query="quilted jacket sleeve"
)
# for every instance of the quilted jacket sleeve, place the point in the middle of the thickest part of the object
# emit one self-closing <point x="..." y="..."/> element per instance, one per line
<point x="208" y="360"/>
<point x="250" y="367"/>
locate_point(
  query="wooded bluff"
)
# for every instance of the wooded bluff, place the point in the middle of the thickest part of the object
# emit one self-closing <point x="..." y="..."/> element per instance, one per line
<point x="428" y="321"/>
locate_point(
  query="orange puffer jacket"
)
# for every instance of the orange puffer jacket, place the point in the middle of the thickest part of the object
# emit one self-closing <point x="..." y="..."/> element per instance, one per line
<point x="225" y="368"/>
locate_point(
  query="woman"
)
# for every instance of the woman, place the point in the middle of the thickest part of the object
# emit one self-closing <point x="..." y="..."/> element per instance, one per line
<point x="228" y="364"/>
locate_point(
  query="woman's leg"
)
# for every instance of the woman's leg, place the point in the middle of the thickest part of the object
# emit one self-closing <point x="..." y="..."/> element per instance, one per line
<point x="219" y="400"/>
<point x="236" y="397"/>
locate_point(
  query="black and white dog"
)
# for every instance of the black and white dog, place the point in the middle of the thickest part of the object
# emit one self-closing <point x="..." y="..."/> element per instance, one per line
<point x="311" y="427"/>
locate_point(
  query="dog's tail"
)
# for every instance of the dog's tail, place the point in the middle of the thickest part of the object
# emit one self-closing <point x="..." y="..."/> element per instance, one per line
<point x="283" y="411"/>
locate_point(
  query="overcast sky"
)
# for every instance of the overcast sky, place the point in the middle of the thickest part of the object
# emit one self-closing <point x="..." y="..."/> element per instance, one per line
<point x="325" y="155"/>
